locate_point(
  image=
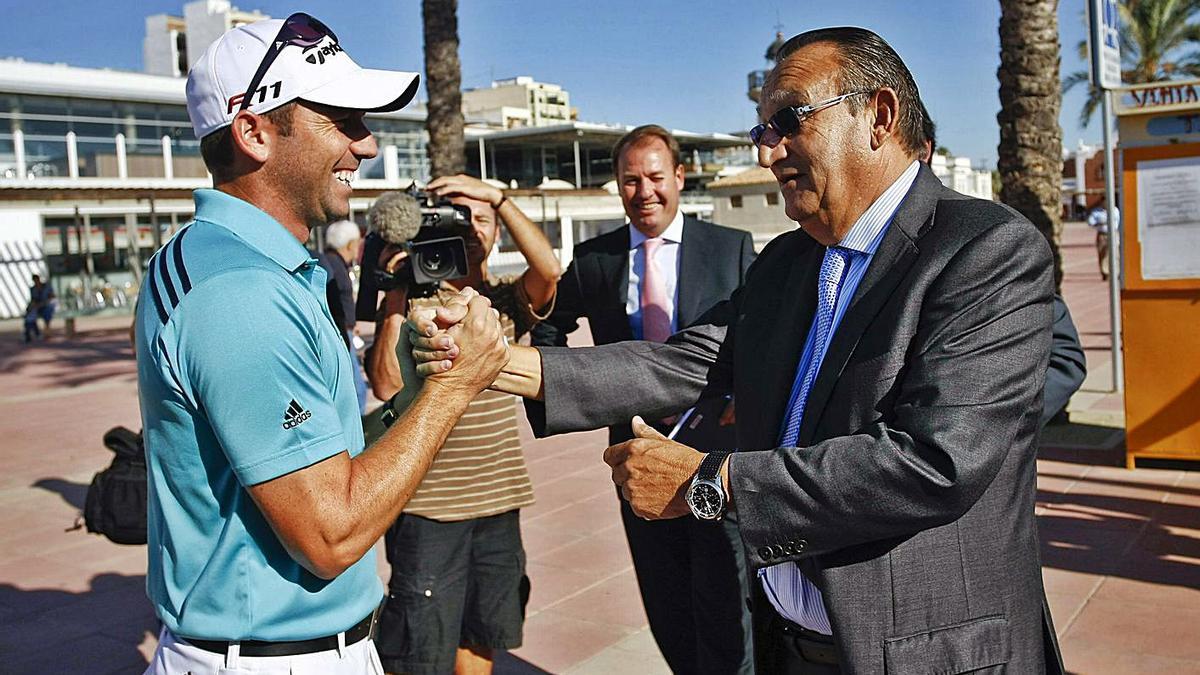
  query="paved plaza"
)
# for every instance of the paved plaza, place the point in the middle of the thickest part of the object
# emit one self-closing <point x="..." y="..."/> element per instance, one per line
<point x="1121" y="548"/>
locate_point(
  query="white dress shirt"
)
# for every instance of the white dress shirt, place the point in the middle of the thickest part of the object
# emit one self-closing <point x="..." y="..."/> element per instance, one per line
<point x="793" y="595"/>
<point x="667" y="259"/>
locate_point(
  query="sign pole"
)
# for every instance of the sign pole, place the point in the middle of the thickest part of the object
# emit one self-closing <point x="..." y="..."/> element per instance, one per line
<point x="1104" y="42"/>
<point x="1114" y="248"/>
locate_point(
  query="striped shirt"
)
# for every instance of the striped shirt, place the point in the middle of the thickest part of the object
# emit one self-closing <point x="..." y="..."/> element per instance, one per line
<point x="480" y="471"/>
<point x="792" y="595"/>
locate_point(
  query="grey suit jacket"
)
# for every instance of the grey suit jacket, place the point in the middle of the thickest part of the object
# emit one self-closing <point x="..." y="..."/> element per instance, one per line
<point x="909" y="500"/>
<point x="713" y="262"/>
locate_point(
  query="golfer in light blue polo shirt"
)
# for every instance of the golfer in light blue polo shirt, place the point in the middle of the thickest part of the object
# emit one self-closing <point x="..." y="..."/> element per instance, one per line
<point x="263" y="504"/>
<point x="236" y="328"/>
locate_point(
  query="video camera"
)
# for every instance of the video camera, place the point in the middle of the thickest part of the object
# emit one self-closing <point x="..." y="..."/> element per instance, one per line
<point x="432" y="230"/>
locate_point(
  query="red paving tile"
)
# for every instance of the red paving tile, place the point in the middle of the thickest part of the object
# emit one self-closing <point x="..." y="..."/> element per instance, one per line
<point x="615" y="601"/>
<point x="555" y="642"/>
<point x="601" y="554"/>
<point x="1089" y="658"/>
<point x="1122" y="624"/>
<point x="550" y="585"/>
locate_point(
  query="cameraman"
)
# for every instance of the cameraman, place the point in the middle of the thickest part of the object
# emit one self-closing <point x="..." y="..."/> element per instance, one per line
<point x="457" y="562"/>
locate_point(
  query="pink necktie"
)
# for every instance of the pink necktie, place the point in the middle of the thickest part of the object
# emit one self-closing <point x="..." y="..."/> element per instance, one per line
<point x="656" y="322"/>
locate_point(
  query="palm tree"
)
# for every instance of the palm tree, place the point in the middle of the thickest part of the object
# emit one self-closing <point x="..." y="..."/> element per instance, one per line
<point x="1158" y="42"/>
<point x="1030" y="150"/>
<point x="443" y="81"/>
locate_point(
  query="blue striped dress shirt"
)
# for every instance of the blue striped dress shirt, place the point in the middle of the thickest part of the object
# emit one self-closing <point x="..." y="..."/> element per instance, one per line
<point x="793" y="595"/>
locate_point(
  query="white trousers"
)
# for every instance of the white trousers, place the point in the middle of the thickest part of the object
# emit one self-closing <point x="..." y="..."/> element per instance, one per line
<point x="174" y="656"/>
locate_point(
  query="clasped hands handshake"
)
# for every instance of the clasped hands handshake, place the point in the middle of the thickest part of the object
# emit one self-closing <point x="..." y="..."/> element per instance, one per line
<point x="462" y="345"/>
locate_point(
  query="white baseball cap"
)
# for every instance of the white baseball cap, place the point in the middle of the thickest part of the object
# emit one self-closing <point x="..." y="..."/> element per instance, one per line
<point x="313" y="67"/>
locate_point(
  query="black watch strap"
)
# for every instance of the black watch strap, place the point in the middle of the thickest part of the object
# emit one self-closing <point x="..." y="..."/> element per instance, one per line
<point x="388" y="415"/>
<point x="711" y="465"/>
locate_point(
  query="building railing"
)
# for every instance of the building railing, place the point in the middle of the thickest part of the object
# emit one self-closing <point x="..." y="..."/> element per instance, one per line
<point x="86" y="160"/>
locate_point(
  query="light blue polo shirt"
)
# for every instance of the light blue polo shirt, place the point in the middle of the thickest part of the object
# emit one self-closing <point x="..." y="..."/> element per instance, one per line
<point x="243" y="378"/>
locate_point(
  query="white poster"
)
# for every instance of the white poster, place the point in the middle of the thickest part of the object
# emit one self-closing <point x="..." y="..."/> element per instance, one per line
<point x="1168" y="193"/>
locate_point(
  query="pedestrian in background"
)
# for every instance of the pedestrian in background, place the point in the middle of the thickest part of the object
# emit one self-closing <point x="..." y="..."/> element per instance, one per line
<point x="1098" y="220"/>
<point x="647" y="280"/>
<point x="342" y="241"/>
<point x="41" y="305"/>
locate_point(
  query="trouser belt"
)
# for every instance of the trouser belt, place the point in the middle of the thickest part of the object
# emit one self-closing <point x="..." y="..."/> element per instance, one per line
<point x="811" y="645"/>
<point x="260" y="648"/>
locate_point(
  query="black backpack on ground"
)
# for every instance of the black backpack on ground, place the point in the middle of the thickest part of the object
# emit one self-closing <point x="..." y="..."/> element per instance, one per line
<point x="116" y="500"/>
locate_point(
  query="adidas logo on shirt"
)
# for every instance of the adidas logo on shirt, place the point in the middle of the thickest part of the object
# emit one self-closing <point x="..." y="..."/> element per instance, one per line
<point x="294" y="416"/>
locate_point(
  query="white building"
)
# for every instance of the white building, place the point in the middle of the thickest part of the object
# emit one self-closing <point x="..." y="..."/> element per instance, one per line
<point x="519" y="102"/>
<point x="173" y="43"/>
<point x="957" y="174"/>
<point x="750" y="200"/>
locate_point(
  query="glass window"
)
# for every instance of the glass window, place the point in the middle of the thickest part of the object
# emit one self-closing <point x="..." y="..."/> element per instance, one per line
<point x="44" y="105"/>
<point x="97" y="158"/>
<point x="8" y="156"/>
<point x="46" y="156"/>
<point x="93" y="118"/>
<point x="44" y="127"/>
<point x="772" y="198"/>
<point x="174" y="113"/>
<point x="735" y="201"/>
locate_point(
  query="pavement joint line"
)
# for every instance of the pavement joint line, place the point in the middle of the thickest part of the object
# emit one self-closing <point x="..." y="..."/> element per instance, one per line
<point x="560" y="547"/>
<point x="1083" y="605"/>
<point x="551" y="512"/>
<point x="585" y="589"/>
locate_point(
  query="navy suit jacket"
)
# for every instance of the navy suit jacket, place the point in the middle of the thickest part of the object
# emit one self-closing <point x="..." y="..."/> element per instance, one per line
<point x="713" y="262"/>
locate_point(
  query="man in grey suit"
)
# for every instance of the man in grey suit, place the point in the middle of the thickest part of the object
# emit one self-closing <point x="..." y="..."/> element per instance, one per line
<point x="692" y="575"/>
<point x="888" y="362"/>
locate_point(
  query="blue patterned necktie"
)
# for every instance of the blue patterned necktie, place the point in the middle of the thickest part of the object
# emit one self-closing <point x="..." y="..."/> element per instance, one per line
<point x="833" y="270"/>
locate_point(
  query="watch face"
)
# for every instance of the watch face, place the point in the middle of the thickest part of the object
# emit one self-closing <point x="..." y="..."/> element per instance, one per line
<point x="706" y="501"/>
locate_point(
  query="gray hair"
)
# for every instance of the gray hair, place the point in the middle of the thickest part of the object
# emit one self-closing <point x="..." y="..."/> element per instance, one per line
<point x="341" y="233"/>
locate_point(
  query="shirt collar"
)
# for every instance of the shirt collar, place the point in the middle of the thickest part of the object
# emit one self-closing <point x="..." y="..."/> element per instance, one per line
<point x="252" y="225"/>
<point x="865" y="235"/>
<point x="673" y="233"/>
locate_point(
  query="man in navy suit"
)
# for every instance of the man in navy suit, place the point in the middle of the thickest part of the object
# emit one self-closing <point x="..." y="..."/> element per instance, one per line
<point x="646" y="281"/>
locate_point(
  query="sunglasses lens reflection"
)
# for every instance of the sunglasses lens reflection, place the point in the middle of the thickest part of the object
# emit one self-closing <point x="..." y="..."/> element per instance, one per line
<point x="786" y="121"/>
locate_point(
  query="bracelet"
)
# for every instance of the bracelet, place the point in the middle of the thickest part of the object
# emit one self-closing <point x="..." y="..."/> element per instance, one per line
<point x="503" y="198"/>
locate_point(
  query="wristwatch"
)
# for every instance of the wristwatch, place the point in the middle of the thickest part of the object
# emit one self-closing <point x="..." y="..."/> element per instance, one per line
<point x="706" y="495"/>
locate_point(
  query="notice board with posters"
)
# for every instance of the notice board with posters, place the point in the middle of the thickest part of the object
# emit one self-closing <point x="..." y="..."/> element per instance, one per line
<point x="1160" y="296"/>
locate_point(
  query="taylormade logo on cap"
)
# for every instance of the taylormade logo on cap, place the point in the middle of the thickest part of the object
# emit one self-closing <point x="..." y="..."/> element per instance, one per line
<point x="321" y="72"/>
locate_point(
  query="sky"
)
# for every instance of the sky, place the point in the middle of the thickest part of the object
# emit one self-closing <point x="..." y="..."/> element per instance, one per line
<point x="682" y="65"/>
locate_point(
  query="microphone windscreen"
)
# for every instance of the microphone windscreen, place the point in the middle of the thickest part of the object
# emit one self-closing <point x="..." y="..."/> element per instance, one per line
<point x="395" y="217"/>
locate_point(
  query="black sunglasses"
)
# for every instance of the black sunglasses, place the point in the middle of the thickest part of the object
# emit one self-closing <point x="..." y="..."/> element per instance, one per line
<point x="300" y="30"/>
<point x="787" y="120"/>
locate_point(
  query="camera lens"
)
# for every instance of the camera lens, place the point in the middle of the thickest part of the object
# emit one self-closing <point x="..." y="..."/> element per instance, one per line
<point x="432" y="262"/>
<point x="436" y="262"/>
<point x="438" y="259"/>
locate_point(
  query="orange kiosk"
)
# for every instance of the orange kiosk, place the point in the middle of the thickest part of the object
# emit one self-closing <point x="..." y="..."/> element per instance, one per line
<point x="1159" y="198"/>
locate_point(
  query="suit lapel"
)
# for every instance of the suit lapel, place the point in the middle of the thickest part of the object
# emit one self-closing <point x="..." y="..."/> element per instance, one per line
<point x="614" y="276"/>
<point x="693" y="284"/>
<point x="895" y="255"/>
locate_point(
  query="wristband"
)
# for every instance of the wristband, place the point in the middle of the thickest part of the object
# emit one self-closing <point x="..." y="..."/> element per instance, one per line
<point x="503" y="198"/>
